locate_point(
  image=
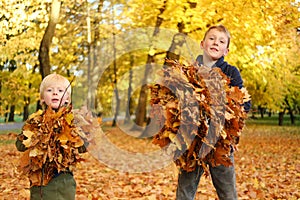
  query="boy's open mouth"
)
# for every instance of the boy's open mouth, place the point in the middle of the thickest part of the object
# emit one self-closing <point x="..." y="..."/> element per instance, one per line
<point x="214" y="49"/>
<point x="55" y="100"/>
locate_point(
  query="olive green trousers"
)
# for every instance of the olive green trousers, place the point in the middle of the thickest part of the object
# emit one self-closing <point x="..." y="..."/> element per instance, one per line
<point x="62" y="187"/>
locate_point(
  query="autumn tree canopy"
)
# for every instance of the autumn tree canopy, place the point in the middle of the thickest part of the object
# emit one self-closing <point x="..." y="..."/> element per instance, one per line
<point x="265" y="45"/>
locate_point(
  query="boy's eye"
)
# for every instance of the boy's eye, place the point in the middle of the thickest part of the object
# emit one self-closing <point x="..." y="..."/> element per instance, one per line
<point x="49" y="90"/>
<point x="61" y="90"/>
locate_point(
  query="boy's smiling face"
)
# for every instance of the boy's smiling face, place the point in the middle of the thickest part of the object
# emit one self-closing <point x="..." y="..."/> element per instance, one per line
<point x="215" y="44"/>
<point x="53" y="94"/>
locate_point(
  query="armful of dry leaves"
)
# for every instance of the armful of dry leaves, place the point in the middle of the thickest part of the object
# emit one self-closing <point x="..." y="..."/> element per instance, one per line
<point x="199" y="114"/>
<point x="53" y="141"/>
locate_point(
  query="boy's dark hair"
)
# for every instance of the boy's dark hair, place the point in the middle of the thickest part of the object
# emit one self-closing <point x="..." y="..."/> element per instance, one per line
<point x="219" y="28"/>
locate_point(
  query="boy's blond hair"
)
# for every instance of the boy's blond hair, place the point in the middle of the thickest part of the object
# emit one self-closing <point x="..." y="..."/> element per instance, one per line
<point x="55" y="79"/>
<point x="219" y="28"/>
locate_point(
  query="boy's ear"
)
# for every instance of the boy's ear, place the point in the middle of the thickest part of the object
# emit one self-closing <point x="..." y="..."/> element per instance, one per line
<point x="42" y="103"/>
<point x="201" y="44"/>
<point x="226" y="52"/>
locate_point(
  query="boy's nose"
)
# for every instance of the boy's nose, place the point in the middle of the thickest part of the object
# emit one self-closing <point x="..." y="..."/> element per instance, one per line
<point x="216" y="42"/>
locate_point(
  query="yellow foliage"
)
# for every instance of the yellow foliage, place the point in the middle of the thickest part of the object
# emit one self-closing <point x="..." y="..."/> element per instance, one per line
<point x="270" y="24"/>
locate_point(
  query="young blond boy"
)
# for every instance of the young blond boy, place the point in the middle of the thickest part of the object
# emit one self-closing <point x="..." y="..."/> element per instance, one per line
<point x="51" y="143"/>
<point x="215" y="45"/>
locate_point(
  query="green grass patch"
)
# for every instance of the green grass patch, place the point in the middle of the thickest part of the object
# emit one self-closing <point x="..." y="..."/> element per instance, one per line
<point x="266" y="130"/>
<point x="5" y="142"/>
<point x="3" y="132"/>
<point x="17" y="118"/>
<point x="6" y="139"/>
<point x="273" y="120"/>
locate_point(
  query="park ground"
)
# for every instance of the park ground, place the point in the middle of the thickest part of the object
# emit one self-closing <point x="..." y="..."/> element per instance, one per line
<point x="267" y="166"/>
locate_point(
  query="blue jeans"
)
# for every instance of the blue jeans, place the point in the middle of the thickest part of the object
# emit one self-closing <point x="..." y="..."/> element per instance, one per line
<point x="223" y="180"/>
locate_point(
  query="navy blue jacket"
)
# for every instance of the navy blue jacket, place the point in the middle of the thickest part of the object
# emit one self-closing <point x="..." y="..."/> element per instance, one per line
<point x="231" y="72"/>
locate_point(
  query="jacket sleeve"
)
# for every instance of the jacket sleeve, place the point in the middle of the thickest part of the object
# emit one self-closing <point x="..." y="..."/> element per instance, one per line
<point x="235" y="77"/>
<point x="19" y="142"/>
<point x="236" y="80"/>
<point x="247" y="106"/>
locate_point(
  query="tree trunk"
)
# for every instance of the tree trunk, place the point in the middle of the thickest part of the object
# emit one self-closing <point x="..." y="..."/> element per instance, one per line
<point x="141" y="111"/>
<point x="179" y="38"/>
<point x="280" y="118"/>
<point x="261" y="111"/>
<point x="27" y="101"/>
<point x="290" y="109"/>
<point x="292" y="116"/>
<point x="116" y="91"/>
<point x="6" y="113"/>
<point x="270" y="113"/>
<point x="129" y="91"/>
<point x="90" y="94"/>
<point x="115" y="78"/>
<point x="114" y="123"/>
<point x="93" y="35"/>
<point x="95" y="65"/>
<point x="12" y="113"/>
<point x="177" y="42"/>
<point x="26" y="108"/>
<point x="44" y="58"/>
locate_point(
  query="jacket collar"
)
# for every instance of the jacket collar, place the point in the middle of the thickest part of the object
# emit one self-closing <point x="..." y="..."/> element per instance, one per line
<point x="219" y="63"/>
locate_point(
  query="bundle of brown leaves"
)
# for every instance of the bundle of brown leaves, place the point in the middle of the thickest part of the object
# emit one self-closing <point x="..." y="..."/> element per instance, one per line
<point x="52" y="143"/>
<point x="199" y="114"/>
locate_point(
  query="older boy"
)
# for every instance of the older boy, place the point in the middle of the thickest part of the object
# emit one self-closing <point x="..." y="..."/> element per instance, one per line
<point x="215" y="46"/>
<point x="51" y="143"/>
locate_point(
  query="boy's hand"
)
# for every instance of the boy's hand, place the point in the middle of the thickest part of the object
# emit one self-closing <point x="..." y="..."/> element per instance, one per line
<point x="19" y="143"/>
